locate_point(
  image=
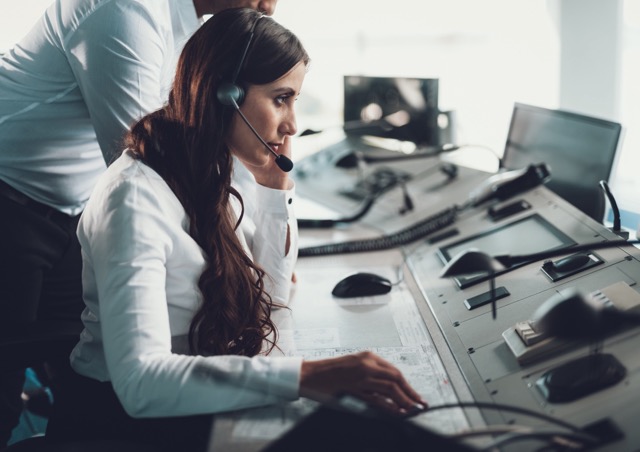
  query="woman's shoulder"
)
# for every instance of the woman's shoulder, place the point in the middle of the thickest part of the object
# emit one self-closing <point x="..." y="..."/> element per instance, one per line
<point x="129" y="182"/>
<point x="128" y="170"/>
<point x="130" y="197"/>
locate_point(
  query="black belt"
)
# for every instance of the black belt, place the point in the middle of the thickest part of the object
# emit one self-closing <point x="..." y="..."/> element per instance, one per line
<point x="7" y="191"/>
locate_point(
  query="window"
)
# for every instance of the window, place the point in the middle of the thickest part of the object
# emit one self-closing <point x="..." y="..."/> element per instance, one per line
<point x="626" y="183"/>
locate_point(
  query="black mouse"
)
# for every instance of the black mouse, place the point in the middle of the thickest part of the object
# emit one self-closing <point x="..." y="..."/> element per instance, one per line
<point x="569" y="263"/>
<point x="361" y="285"/>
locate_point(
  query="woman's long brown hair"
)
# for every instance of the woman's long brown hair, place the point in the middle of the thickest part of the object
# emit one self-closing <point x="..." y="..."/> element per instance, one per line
<point x="184" y="142"/>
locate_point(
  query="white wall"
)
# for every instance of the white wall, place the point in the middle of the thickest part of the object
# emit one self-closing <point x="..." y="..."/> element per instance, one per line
<point x="17" y="17"/>
<point x="580" y="55"/>
<point x="591" y="56"/>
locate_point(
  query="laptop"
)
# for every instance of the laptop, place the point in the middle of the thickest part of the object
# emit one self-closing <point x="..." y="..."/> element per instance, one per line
<point x="580" y="151"/>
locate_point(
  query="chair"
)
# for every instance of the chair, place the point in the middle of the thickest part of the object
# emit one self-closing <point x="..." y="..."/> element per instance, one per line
<point x="50" y="341"/>
<point x="37" y="343"/>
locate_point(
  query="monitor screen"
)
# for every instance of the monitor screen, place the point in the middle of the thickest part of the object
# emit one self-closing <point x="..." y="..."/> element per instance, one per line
<point x="579" y="150"/>
<point x="529" y="235"/>
<point x="392" y="107"/>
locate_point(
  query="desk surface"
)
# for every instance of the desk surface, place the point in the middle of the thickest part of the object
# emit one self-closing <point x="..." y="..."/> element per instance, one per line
<point x="449" y="353"/>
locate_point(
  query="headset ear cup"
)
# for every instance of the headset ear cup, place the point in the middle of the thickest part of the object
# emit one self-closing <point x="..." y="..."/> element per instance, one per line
<point x="228" y="92"/>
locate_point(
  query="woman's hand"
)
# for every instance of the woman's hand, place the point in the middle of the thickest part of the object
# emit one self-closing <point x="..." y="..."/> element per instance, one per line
<point x="270" y="175"/>
<point x="363" y="375"/>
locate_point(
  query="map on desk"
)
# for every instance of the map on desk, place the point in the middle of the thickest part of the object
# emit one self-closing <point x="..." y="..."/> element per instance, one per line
<point x="417" y="358"/>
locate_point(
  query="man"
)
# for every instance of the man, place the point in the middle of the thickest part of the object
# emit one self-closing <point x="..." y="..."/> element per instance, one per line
<point x="68" y="91"/>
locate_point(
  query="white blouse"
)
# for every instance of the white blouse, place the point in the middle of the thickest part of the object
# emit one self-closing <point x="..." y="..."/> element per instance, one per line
<point x="140" y="275"/>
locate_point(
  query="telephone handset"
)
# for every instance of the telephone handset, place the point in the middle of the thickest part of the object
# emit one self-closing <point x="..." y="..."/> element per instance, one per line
<point x="504" y="185"/>
<point x="528" y="343"/>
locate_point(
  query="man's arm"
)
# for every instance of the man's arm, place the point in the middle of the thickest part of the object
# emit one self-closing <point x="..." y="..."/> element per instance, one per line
<point x="117" y="56"/>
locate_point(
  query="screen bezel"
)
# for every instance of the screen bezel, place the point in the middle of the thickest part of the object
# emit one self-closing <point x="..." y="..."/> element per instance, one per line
<point x="466" y="281"/>
<point x="616" y="127"/>
<point x="513" y="158"/>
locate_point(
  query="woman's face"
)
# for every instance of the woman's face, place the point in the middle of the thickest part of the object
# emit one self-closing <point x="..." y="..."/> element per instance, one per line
<point x="270" y="110"/>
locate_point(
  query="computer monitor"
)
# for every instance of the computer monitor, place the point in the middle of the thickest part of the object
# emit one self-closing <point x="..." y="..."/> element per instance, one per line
<point x="402" y="108"/>
<point x="580" y="151"/>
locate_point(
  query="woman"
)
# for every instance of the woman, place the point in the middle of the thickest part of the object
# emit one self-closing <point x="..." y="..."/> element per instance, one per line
<point x="179" y="284"/>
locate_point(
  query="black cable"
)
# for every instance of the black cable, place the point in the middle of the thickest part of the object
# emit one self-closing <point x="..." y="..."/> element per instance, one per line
<point x="329" y="223"/>
<point x="351" y="159"/>
<point x="614" y="204"/>
<point x="447" y="169"/>
<point x="370" y="199"/>
<point x="419" y="230"/>
<point x="548" y="437"/>
<point x="509" y="261"/>
<point x="503" y="407"/>
<point x="437" y="150"/>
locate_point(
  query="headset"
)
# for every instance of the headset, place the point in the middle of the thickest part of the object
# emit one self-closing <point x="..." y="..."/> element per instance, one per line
<point x="231" y="94"/>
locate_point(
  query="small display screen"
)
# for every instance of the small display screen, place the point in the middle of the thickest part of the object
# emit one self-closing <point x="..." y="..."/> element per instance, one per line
<point x="529" y="235"/>
<point x="402" y="108"/>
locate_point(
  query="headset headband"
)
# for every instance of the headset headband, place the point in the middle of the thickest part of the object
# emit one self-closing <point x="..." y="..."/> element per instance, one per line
<point x="246" y="50"/>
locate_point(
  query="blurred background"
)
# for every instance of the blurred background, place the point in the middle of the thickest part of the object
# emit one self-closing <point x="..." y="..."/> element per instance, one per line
<point x="577" y="55"/>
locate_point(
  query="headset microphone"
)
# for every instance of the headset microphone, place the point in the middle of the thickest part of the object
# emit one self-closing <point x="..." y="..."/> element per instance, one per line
<point x="283" y="162"/>
<point x="232" y="95"/>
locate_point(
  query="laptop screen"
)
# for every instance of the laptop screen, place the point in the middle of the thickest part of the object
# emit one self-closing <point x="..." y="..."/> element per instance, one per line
<point x="580" y="151"/>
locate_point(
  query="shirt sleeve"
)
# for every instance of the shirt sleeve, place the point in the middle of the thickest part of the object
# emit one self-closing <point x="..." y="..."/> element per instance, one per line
<point x="128" y="239"/>
<point x="269" y="217"/>
<point x="274" y="221"/>
<point x="118" y="55"/>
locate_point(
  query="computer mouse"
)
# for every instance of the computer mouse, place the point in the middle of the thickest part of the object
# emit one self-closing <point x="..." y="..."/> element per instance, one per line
<point x="360" y="285"/>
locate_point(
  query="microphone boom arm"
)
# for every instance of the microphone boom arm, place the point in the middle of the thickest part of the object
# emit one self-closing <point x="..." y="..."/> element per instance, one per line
<point x="283" y="162"/>
<point x="508" y="260"/>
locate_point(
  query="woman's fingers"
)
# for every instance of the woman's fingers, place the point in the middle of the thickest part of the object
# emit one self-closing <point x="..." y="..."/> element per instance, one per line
<point x="364" y="375"/>
<point x="386" y="379"/>
<point x="393" y="392"/>
<point x="388" y="404"/>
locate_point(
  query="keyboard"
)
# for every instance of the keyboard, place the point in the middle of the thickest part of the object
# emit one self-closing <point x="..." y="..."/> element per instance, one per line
<point x="422" y="229"/>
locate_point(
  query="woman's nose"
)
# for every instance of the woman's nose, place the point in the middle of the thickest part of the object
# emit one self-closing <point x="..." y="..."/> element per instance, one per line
<point x="289" y="126"/>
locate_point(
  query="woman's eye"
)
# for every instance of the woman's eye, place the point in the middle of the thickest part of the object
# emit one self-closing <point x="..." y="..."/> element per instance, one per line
<point x="282" y="99"/>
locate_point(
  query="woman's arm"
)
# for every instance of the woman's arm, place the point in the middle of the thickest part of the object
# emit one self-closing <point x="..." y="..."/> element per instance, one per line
<point x="270" y="229"/>
<point x="144" y="267"/>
